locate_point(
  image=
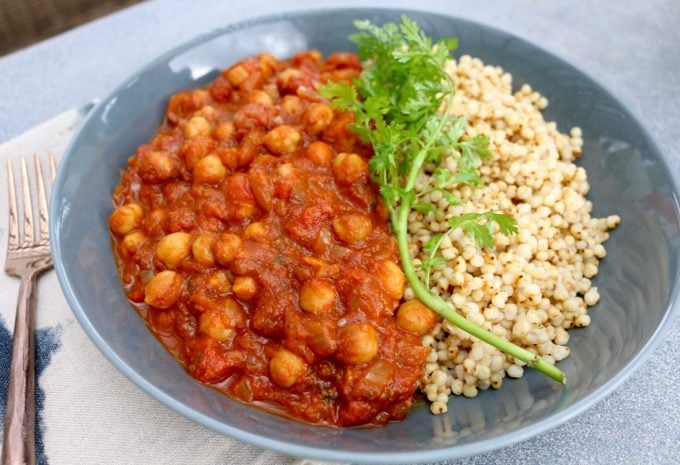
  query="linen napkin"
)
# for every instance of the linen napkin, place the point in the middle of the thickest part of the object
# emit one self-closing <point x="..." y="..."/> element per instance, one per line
<point x="86" y="411"/>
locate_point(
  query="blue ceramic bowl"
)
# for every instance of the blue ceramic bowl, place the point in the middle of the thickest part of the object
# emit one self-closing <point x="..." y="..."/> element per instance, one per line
<point x="638" y="280"/>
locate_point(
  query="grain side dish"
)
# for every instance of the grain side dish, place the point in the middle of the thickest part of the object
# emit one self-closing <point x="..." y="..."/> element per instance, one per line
<point x="324" y="237"/>
<point x="530" y="288"/>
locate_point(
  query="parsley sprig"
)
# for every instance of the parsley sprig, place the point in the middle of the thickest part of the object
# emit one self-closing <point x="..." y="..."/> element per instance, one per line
<point x="402" y="107"/>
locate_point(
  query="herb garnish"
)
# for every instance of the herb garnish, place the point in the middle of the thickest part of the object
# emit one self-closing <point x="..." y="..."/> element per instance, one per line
<point x="401" y="104"/>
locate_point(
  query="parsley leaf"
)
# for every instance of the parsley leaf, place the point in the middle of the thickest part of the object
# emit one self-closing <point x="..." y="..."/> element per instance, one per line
<point x="480" y="226"/>
<point x="425" y="207"/>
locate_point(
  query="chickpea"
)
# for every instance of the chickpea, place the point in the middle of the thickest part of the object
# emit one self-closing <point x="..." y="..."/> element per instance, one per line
<point x="414" y="316"/>
<point x="282" y="139"/>
<point x="157" y="166"/>
<point x="317" y="296"/>
<point x="164" y="289"/>
<point x="316" y="118"/>
<point x="357" y="344"/>
<point x="352" y="227"/>
<point x="221" y="322"/>
<point x="225" y="130"/>
<point x="255" y="231"/>
<point x="261" y="97"/>
<point x="315" y="55"/>
<point x="226" y="248"/>
<point x="125" y="218"/>
<point x="237" y="75"/>
<point x="272" y="91"/>
<point x="286" y="170"/>
<point x="194" y="149"/>
<point x="320" y="153"/>
<point x="245" y="210"/>
<point x="132" y="241"/>
<point x="219" y="282"/>
<point x="287" y="78"/>
<point x="211" y="324"/>
<point x="268" y="63"/>
<point x="343" y="60"/>
<point x="392" y="279"/>
<point x="292" y="104"/>
<point x="244" y="287"/>
<point x="174" y="248"/>
<point x="185" y="103"/>
<point x="197" y="126"/>
<point x="208" y="113"/>
<point x="202" y="249"/>
<point x="286" y="368"/>
<point x="349" y="168"/>
<point x="209" y="169"/>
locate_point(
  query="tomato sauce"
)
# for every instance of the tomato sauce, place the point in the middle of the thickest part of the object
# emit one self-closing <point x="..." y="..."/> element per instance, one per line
<point x="249" y="236"/>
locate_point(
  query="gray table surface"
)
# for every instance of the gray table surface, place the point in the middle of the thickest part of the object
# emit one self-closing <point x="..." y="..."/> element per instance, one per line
<point x="631" y="47"/>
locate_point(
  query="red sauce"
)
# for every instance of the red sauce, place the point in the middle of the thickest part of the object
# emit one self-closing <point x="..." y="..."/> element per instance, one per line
<point x="250" y="237"/>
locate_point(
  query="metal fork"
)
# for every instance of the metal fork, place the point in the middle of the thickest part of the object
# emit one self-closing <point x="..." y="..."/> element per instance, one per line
<point x="27" y="257"/>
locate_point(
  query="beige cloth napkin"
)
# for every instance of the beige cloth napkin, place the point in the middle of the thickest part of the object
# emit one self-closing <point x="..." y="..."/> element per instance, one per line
<point x="88" y="412"/>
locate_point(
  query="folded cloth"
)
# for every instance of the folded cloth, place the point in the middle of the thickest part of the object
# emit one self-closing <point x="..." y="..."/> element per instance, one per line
<point x="86" y="411"/>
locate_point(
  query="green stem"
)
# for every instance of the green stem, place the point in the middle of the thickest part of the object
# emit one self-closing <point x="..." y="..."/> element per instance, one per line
<point x="422" y="155"/>
<point x="439" y="306"/>
<point x="433" y="252"/>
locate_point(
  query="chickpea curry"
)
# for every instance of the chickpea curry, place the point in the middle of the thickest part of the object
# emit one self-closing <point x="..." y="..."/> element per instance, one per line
<point x="249" y="236"/>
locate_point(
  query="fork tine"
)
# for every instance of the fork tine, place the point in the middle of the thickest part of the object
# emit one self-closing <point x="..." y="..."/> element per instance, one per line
<point x="29" y="229"/>
<point x="53" y="167"/>
<point x="13" y="235"/>
<point x="43" y="214"/>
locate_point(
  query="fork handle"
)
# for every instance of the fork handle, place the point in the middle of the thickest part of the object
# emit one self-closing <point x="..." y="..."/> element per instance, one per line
<point x="18" y="446"/>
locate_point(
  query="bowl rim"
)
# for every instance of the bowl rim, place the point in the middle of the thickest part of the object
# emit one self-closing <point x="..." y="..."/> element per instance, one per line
<point x="430" y="455"/>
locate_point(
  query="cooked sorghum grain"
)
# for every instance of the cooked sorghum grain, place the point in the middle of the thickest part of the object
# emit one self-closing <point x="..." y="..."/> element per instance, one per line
<point x="533" y="286"/>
